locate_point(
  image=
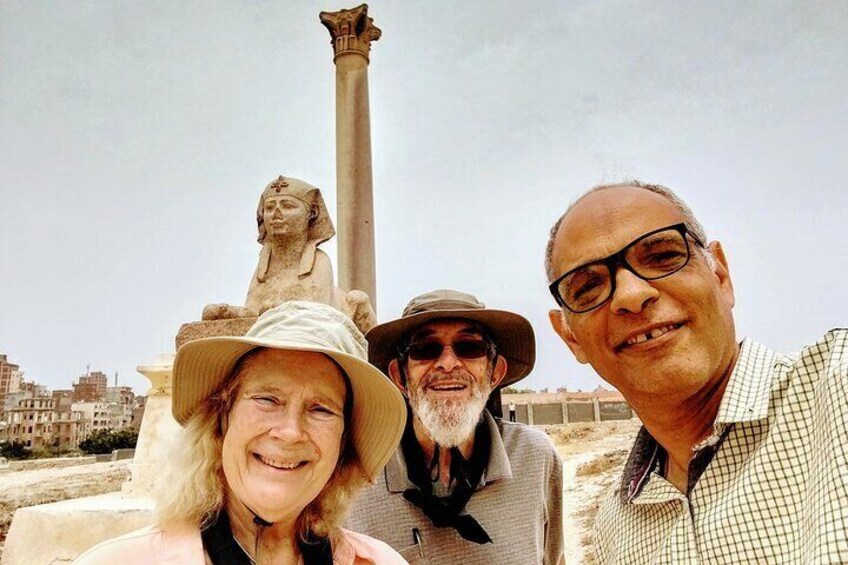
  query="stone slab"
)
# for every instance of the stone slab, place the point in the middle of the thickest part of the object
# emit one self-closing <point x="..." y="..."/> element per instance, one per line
<point x="119" y="454"/>
<point x="60" y="532"/>
<point x="212" y="328"/>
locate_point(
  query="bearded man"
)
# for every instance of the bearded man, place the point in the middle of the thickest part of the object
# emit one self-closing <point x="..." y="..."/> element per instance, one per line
<point x="464" y="486"/>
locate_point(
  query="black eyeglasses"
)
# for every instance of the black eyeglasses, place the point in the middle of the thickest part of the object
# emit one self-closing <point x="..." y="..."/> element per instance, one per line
<point x="430" y="350"/>
<point x="655" y="255"/>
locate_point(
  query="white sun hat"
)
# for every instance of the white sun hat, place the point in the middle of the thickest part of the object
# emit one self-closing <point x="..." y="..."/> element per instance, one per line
<point x="379" y="412"/>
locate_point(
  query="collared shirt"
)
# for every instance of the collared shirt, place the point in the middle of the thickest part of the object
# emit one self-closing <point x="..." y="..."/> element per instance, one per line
<point x="774" y="488"/>
<point x="518" y="502"/>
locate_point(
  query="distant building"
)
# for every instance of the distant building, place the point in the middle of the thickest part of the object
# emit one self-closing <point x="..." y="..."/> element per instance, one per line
<point x="119" y="395"/>
<point x="98" y="379"/>
<point x="68" y="428"/>
<point x="10" y="378"/>
<point x="63" y="399"/>
<point x="138" y="412"/>
<point x="25" y="390"/>
<point x="120" y="415"/>
<point x="31" y="422"/>
<point x="96" y="416"/>
<point x="85" y="392"/>
<point x="13" y="399"/>
<point x="120" y="400"/>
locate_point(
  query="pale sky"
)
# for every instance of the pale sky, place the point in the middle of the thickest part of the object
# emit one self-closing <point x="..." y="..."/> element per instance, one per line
<point x="136" y="137"/>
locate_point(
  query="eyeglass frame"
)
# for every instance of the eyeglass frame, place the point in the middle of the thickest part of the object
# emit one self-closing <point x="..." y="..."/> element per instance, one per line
<point x="406" y="342"/>
<point x="617" y="259"/>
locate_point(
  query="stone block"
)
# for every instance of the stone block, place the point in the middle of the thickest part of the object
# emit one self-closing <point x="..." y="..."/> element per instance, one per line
<point x="62" y="531"/>
<point x="212" y="328"/>
<point x="119" y="454"/>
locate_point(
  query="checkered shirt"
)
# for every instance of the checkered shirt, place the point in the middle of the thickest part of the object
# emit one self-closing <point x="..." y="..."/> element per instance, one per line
<point x="774" y="485"/>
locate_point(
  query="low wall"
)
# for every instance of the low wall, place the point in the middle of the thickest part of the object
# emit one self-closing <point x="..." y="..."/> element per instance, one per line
<point x="31" y="464"/>
<point x="581" y="411"/>
<point x="550" y="413"/>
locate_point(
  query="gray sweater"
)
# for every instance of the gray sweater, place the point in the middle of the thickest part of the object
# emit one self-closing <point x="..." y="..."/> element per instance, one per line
<point x="518" y="503"/>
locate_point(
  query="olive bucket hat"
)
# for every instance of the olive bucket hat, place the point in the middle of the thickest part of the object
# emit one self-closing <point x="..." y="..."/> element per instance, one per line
<point x="513" y="335"/>
<point x="379" y="413"/>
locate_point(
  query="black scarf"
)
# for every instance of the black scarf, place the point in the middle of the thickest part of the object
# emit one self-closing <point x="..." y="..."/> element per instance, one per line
<point x="222" y="548"/>
<point x="444" y="512"/>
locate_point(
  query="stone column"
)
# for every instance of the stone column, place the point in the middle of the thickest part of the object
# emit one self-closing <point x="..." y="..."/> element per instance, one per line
<point x="157" y="427"/>
<point x="352" y="32"/>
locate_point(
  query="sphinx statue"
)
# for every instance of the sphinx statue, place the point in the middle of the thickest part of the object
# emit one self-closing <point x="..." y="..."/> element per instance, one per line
<point x="293" y="221"/>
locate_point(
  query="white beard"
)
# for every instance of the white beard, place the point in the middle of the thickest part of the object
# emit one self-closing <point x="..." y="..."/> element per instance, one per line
<point x="450" y="422"/>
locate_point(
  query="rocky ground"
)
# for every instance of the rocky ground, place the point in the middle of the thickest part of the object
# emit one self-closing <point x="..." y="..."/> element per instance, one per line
<point x="27" y="488"/>
<point x="592" y="453"/>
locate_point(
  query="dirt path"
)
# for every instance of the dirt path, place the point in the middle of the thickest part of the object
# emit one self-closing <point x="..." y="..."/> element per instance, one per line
<point x="574" y="534"/>
<point x="592" y="458"/>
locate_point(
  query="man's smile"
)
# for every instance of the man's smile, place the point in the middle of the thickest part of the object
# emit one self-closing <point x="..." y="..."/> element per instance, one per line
<point x="643" y="337"/>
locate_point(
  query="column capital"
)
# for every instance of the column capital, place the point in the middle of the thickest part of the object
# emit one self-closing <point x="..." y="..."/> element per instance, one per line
<point x="351" y="31"/>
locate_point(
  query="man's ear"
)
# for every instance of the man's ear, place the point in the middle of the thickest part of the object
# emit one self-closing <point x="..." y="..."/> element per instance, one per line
<point x="563" y="330"/>
<point x="396" y="376"/>
<point x="499" y="371"/>
<point x="721" y="271"/>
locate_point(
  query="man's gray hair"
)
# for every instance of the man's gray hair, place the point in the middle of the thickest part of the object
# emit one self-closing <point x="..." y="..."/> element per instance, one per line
<point x="695" y="227"/>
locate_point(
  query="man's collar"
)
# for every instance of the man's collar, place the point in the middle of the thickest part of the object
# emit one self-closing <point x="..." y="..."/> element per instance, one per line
<point x="640" y="464"/>
<point x="746" y="399"/>
<point x="498" y="468"/>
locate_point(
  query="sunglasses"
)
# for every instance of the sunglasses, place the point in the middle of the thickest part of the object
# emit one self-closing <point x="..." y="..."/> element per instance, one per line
<point x="432" y="350"/>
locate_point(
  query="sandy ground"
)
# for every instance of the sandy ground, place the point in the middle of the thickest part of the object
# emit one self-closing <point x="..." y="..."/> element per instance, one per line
<point x="592" y="456"/>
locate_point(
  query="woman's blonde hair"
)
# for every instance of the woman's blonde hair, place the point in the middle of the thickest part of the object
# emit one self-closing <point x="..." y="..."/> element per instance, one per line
<point x="192" y="488"/>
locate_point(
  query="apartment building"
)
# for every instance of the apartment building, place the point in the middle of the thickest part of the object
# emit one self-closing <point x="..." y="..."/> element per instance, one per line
<point x="68" y="428"/>
<point x="31" y="422"/>
<point x="10" y="378"/>
<point x="96" y="416"/>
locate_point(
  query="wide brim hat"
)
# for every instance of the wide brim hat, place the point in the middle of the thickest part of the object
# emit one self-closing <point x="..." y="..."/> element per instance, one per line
<point x="513" y="335"/>
<point x="378" y="410"/>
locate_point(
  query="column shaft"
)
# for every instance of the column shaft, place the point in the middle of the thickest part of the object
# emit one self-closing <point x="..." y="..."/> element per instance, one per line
<point x="354" y="185"/>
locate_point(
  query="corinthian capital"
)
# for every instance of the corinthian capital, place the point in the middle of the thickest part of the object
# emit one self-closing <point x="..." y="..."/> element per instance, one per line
<point x="351" y="31"/>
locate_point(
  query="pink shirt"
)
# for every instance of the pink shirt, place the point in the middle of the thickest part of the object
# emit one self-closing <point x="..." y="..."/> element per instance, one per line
<point x="184" y="547"/>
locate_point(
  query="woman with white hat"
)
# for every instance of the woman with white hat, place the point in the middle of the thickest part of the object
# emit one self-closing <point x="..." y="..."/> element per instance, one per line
<point x="281" y="427"/>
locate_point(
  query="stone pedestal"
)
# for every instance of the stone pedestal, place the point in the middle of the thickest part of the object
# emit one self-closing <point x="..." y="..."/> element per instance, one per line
<point x="212" y="328"/>
<point x="157" y="427"/>
<point x="352" y="32"/>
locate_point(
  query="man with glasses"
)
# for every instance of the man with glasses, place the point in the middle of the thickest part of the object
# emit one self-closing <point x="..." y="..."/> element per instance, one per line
<point x="743" y="457"/>
<point x="464" y="487"/>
